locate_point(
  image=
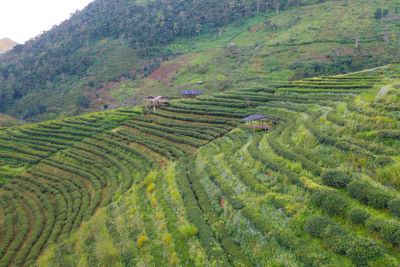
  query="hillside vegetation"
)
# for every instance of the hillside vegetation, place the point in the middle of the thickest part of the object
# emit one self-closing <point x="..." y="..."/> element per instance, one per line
<point x="190" y="185"/>
<point x="115" y="52"/>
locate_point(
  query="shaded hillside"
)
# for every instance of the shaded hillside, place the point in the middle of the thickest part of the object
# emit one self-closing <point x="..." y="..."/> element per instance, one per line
<point x="6" y="44"/>
<point x="65" y="53"/>
<point x="190" y="185"/>
<point x="106" y="54"/>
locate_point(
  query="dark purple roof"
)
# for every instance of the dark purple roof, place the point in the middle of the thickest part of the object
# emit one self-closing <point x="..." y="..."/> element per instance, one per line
<point x="191" y="92"/>
<point x="254" y="117"/>
<point x="258" y="117"/>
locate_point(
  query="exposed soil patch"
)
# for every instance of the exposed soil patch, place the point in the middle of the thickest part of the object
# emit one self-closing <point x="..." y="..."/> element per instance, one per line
<point x="257" y="65"/>
<point x="162" y="73"/>
<point x="165" y="71"/>
<point x="377" y="50"/>
<point x="254" y="28"/>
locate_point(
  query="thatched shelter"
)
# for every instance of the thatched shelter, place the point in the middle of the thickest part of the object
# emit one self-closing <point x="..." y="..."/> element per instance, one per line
<point x="154" y="102"/>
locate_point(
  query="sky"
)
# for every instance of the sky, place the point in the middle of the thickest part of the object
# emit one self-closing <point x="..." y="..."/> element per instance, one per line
<point x="21" y="20"/>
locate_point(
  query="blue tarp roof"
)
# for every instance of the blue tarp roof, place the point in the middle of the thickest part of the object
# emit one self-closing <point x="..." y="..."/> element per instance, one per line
<point x="258" y="117"/>
<point x="191" y="92"/>
<point x="254" y="117"/>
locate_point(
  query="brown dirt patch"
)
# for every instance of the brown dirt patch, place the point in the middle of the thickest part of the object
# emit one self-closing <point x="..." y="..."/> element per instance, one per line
<point x="257" y="65"/>
<point x="162" y="73"/>
<point x="377" y="50"/>
<point x="166" y="70"/>
<point x="254" y="28"/>
<point x="347" y="51"/>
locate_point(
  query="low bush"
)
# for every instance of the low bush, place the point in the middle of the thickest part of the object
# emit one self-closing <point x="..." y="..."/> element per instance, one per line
<point x="311" y="257"/>
<point x="378" y="198"/>
<point x="287" y="239"/>
<point x="375" y="224"/>
<point x="383" y="161"/>
<point x="316" y="225"/>
<point x="335" y="178"/>
<point x="389" y="134"/>
<point x="391" y="232"/>
<point x="330" y="201"/>
<point x="362" y="250"/>
<point x="337" y="239"/>
<point x="357" y="215"/>
<point x="394" y="207"/>
<point x="359" y="190"/>
<point x="142" y="240"/>
<point x="188" y="230"/>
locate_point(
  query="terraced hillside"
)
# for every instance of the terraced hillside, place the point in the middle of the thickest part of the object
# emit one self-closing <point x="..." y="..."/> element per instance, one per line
<point x="190" y="185"/>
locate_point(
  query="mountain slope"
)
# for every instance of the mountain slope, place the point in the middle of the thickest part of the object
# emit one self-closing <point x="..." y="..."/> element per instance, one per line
<point x="6" y="44"/>
<point x="172" y="187"/>
<point x="101" y="57"/>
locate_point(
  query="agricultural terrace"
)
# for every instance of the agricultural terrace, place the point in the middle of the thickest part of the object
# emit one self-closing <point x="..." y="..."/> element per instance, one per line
<point x="189" y="184"/>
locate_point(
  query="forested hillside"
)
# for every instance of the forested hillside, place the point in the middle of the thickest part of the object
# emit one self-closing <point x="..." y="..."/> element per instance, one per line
<point x="117" y="51"/>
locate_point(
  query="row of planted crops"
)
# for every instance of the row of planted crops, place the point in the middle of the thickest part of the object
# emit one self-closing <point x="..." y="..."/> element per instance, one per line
<point x="189" y="185"/>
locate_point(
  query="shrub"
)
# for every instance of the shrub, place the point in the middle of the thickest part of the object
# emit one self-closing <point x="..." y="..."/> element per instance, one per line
<point x="391" y="232"/>
<point x="142" y="240"/>
<point x="335" y="178"/>
<point x="316" y="225"/>
<point x="362" y="250"/>
<point x="383" y="161"/>
<point x="151" y="187"/>
<point x="378" y="198"/>
<point x="337" y="239"/>
<point x="357" y="215"/>
<point x="330" y="201"/>
<point x="375" y="224"/>
<point x="311" y="257"/>
<point x="188" y="230"/>
<point x="334" y="204"/>
<point x="359" y="190"/>
<point x="394" y="206"/>
<point x="318" y="196"/>
<point x="287" y="239"/>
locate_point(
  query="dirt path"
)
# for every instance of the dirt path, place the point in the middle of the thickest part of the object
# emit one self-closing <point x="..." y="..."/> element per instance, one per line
<point x="367" y="70"/>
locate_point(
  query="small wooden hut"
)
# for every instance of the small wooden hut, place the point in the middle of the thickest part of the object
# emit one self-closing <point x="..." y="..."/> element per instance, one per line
<point x="154" y="102"/>
<point x="260" y="122"/>
<point x="191" y="93"/>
